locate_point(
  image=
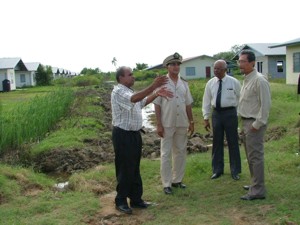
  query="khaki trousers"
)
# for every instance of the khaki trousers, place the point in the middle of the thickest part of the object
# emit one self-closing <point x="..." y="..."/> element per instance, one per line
<point x="173" y="155"/>
<point x="254" y="146"/>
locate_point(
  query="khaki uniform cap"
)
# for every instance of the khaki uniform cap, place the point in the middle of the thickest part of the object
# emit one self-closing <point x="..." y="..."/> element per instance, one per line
<point x="172" y="58"/>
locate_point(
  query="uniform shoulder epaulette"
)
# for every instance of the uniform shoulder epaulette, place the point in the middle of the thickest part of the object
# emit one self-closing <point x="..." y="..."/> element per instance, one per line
<point x="183" y="79"/>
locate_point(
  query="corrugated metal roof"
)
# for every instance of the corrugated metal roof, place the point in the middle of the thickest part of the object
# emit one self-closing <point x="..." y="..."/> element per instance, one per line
<point x="196" y="57"/>
<point x="32" y="66"/>
<point x="9" y="63"/>
<point x="264" y="49"/>
<point x="288" y="43"/>
<point x="12" y="63"/>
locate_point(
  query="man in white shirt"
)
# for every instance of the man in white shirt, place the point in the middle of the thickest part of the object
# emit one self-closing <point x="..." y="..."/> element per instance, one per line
<point x="221" y="96"/>
<point x="254" y="107"/>
<point x="174" y="121"/>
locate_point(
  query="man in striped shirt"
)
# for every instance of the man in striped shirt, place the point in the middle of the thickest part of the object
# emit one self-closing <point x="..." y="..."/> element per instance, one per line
<point x="127" y="141"/>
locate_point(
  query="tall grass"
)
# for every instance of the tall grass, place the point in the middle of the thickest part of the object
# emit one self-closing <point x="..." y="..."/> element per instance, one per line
<point x="31" y="120"/>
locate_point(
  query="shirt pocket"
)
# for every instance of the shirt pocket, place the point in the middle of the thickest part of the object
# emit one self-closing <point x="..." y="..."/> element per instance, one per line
<point x="230" y="93"/>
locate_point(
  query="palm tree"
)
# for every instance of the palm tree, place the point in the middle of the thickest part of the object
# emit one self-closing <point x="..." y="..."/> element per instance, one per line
<point x="114" y="62"/>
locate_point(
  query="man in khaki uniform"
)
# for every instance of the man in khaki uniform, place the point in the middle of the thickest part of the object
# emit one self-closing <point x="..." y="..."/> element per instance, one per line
<point x="174" y="121"/>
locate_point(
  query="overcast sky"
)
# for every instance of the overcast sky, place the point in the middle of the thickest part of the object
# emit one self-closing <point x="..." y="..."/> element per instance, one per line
<point x="73" y="34"/>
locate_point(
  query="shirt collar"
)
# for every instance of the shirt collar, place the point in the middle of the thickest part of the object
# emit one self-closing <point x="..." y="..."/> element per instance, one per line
<point x="250" y="75"/>
<point x="124" y="87"/>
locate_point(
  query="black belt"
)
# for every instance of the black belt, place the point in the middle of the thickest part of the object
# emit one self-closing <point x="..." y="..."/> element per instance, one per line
<point x="247" y="118"/>
<point x="224" y="108"/>
<point x="141" y="130"/>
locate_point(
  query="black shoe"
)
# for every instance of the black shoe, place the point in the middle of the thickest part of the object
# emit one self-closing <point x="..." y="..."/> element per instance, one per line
<point x="168" y="190"/>
<point x="216" y="175"/>
<point x="246" y="187"/>
<point x="180" y="185"/>
<point x="140" y="205"/>
<point x="235" y="176"/>
<point x="250" y="198"/>
<point x="124" y="209"/>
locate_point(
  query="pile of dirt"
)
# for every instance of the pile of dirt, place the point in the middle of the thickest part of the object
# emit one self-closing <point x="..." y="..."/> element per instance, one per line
<point x="275" y="133"/>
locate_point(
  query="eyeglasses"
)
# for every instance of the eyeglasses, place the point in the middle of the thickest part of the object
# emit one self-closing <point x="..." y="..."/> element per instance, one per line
<point x="241" y="61"/>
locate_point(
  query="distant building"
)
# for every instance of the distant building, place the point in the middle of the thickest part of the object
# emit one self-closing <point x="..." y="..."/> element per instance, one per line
<point x="292" y="59"/>
<point x="10" y="68"/>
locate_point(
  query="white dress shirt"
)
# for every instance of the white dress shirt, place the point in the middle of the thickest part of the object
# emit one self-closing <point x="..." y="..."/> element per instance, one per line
<point x="231" y="88"/>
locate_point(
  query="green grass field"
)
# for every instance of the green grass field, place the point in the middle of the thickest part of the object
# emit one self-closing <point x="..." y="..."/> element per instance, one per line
<point x="28" y="197"/>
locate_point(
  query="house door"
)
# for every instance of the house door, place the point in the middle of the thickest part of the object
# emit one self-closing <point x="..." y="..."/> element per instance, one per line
<point x="208" y="72"/>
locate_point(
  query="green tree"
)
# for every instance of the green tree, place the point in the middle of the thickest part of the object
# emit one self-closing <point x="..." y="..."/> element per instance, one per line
<point x="44" y="75"/>
<point x="90" y="71"/>
<point x="140" y="66"/>
<point x="224" y="55"/>
<point x="230" y="54"/>
<point x="114" y="62"/>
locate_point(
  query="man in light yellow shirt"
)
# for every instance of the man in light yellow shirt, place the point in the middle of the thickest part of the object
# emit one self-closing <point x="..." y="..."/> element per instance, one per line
<point x="254" y="107"/>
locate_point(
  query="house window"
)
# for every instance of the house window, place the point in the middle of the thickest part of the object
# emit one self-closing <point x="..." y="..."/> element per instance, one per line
<point x="259" y="66"/>
<point x="190" y="71"/>
<point x="279" y="66"/>
<point x="296" y="62"/>
<point x="22" y="78"/>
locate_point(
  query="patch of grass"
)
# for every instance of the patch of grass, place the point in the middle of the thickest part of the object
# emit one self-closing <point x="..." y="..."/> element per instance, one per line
<point x="204" y="201"/>
<point x="51" y="208"/>
<point x="63" y="139"/>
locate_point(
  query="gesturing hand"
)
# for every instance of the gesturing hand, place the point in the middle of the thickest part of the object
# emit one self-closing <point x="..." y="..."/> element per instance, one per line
<point x="164" y="92"/>
<point x="160" y="81"/>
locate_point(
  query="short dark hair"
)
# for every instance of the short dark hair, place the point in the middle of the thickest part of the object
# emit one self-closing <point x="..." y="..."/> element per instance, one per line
<point x="120" y="72"/>
<point x="250" y="55"/>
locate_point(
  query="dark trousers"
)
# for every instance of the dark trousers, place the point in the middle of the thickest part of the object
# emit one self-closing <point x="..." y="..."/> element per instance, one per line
<point x="128" y="148"/>
<point x="225" y="121"/>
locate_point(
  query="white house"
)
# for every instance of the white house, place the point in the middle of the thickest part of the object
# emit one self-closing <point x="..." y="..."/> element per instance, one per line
<point x="197" y="67"/>
<point x="9" y="67"/>
<point x="292" y="59"/>
<point x="27" y="78"/>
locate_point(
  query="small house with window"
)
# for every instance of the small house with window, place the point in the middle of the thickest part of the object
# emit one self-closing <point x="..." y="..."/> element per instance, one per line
<point x="9" y="68"/>
<point x="269" y="61"/>
<point x="197" y="67"/>
<point x="27" y="78"/>
<point x="292" y="59"/>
